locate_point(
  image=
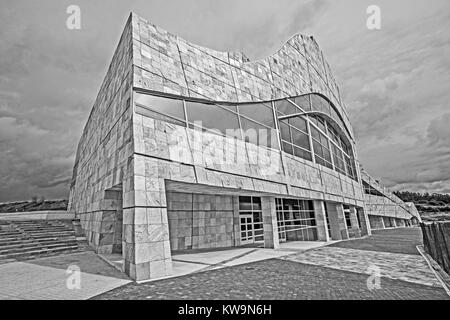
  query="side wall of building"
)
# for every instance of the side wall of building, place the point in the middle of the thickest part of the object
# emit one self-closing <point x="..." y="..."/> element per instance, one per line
<point x="103" y="154"/>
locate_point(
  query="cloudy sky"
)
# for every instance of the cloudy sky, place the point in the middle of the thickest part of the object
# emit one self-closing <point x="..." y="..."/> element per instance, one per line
<point x="395" y="81"/>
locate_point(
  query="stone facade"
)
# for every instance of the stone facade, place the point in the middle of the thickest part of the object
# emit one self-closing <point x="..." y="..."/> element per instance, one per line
<point x="200" y="221"/>
<point x="148" y="188"/>
<point x="387" y="204"/>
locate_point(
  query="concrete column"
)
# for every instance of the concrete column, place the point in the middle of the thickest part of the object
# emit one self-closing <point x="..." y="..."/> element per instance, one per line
<point x="382" y="222"/>
<point x="394" y="222"/>
<point x="321" y="221"/>
<point x="146" y="250"/>
<point x="236" y="222"/>
<point x="269" y="213"/>
<point x="353" y="217"/>
<point x="337" y="221"/>
<point x="365" y="224"/>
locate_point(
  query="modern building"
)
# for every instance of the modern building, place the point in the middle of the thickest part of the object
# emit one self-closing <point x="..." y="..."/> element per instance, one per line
<point x="189" y="148"/>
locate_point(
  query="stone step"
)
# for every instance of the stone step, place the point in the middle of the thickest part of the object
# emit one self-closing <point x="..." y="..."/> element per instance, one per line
<point x="47" y="235"/>
<point x="36" y="252"/>
<point x="37" y="247"/>
<point x="39" y="230"/>
<point x="48" y="231"/>
<point x="9" y="234"/>
<point x="28" y="239"/>
<point x="36" y="243"/>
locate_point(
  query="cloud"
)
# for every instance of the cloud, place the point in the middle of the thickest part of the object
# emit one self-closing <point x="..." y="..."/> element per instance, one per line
<point x="394" y="81"/>
<point x="439" y="131"/>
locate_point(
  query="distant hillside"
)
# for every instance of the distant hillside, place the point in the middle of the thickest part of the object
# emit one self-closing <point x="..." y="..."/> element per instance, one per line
<point x="35" y="205"/>
<point x="432" y="207"/>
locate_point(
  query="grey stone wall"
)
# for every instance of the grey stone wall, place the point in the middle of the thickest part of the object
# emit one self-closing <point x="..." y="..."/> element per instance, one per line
<point x="199" y="221"/>
<point x="104" y="150"/>
<point x="376" y="222"/>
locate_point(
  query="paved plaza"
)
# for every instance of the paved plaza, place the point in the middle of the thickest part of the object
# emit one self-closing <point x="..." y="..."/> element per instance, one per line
<point x="48" y="279"/>
<point x="318" y="273"/>
<point x="298" y="270"/>
<point x="403" y="240"/>
<point x="274" y="279"/>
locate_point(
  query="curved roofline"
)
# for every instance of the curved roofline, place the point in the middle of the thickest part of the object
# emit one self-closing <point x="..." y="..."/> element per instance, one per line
<point x="297" y="34"/>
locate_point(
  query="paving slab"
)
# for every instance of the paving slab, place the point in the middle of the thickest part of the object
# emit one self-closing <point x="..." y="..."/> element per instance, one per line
<point x="47" y="279"/>
<point x="407" y="267"/>
<point x="274" y="279"/>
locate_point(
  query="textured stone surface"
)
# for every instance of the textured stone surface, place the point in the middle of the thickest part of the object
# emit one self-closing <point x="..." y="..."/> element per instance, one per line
<point x="200" y="221"/>
<point x="403" y="240"/>
<point x="407" y="267"/>
<point x="275" y="280"/>
<point x="388" y="205"/>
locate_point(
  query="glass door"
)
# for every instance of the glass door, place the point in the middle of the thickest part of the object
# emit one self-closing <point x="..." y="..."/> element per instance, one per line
<point x="247" y="231"/>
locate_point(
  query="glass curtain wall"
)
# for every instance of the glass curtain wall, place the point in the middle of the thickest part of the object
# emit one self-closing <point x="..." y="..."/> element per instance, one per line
<point x="296" y="220"/>
<point x="310" y="137"/>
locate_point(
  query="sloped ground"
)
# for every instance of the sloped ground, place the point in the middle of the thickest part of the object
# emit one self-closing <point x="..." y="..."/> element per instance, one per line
<point x="329" y="273"/>
<point x="404" y="240"/>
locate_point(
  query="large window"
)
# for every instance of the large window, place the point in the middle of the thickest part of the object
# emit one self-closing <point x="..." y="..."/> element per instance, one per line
<point x="296" y="220"/>
<point x="259" y="134"/>
<point x="294" y="131"/>
<point x="321" y="150"/>
<point x="348" y="220"/>
<point x="258" y="112"/>
<point x="164" y="106"/>
<point x="210" y="116"/>
<point x="303" y="102"/>
<point x="301" y="136"/>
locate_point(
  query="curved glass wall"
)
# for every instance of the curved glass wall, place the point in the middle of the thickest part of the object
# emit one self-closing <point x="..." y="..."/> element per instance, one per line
<point x="308" y="135"/>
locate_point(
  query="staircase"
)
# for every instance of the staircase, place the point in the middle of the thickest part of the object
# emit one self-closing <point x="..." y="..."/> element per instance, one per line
<point x="25" y="240"/>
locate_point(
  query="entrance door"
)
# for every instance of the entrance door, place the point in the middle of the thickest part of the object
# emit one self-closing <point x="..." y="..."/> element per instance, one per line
<point x="247" y="231"/>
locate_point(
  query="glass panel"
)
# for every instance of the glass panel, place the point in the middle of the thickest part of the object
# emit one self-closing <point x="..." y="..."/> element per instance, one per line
<point x="303" y="102"/>
<point x="315" y="133"/>
<point x="258" y="112"/>
<point x="232" y="108"/>
<point x="158" y="116"/>
<point x="320" y="161"/>
<point x="298" y="123"/>
<point x="245" y="204"/>
<point x="256" y="204"/>
<point x="317" y="148"/>
<point x="165" y="106"/>
<point x="259" y="134"/>
<point x="288" y="148"/>
<point x="323" y="140"/>
<point x="321" y="124"/>
<point x="286" y="107"/>
<point x="320" y="104"/>
<point x="285" y="133"/>
<point x="326" y="154"/>
<point x="213" y="117"/>
<point x="300" y="139"/>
